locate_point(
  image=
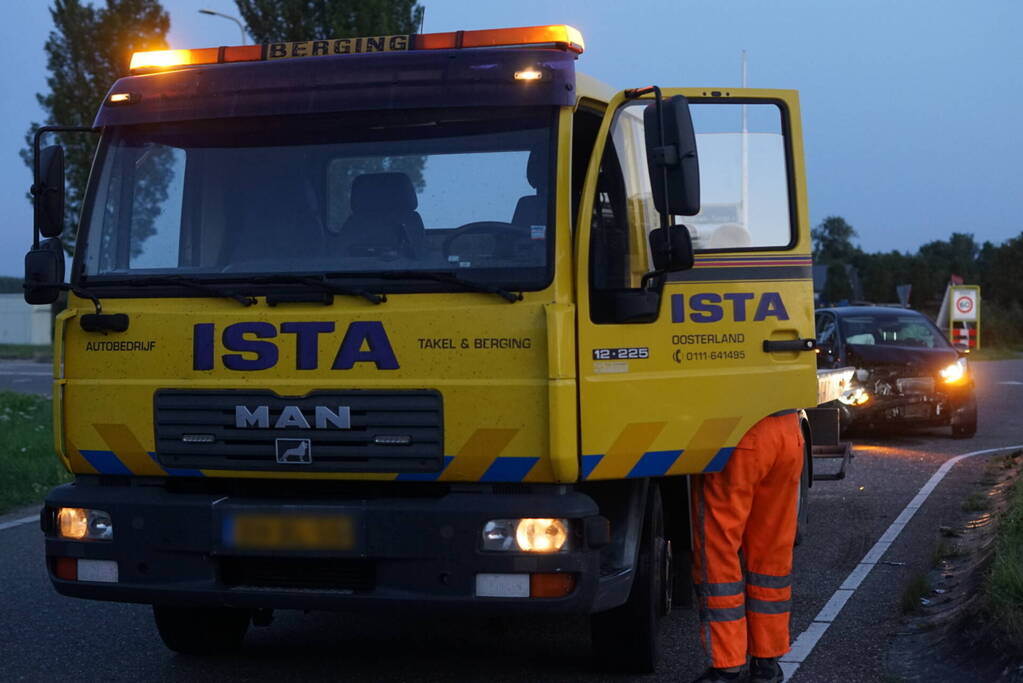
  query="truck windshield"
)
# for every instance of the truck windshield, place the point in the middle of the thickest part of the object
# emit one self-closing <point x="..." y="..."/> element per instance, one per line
<point x="462" y="191"/>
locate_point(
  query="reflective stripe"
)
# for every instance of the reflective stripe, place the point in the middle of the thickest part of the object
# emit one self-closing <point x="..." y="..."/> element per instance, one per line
<point x="768" y="606"/>
<point x="768" y="581"/>
<point x="722" y="613"/>
<point x="719" y="589"/>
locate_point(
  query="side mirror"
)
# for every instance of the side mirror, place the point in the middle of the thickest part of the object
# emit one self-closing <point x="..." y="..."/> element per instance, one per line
<point x="44" y="272"/>
<point x="671" y="249"/>
<point x="673" y="162"/>
<point x="49" y="192"/>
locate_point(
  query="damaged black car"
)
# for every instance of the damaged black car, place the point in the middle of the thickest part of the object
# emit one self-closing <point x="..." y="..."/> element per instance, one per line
<point x="906" y="370"/>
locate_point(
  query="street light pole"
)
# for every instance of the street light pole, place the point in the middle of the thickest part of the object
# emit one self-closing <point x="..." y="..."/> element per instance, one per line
<point x="212" y="13"/>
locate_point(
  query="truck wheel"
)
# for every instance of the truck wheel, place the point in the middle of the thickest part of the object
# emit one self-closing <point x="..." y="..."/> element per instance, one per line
<point x="802" y="494"/>
<point x="626" y="638"/>
<point x="964" y="419"/>
<point x="201" y="630"/>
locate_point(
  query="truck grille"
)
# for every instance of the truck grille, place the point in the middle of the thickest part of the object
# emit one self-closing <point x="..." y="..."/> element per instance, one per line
<point x="389" y="431"/>
<point x="298" y="573"/>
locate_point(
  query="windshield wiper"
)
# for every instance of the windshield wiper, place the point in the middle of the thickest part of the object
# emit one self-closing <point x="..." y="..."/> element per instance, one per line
<point x="84" y="294"/>
<point x="192" y="283"/>
<point x="445" y="276"/>
<point x="322" y="283"/>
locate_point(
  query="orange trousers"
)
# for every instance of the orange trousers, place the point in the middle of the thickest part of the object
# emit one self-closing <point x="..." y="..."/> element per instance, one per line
<point x="749" y="506"/>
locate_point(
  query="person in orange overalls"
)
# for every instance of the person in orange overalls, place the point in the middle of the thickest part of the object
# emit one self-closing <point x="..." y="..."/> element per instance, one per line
<point x="749" y="506"/>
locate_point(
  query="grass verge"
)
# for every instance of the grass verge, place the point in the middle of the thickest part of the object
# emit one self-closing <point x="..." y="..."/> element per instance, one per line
<point x="916" y="588"/>
<point x="996" y="353"/>
<point x="946" y="550"/>
<point x="25" y="352"/>
<point x="977" y="502"/>
<point x="28" y="466"/>
<point x="1004" y="585"/>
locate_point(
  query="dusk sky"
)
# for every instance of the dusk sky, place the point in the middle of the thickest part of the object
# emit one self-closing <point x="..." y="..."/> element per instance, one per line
<point x="911" y="109"/>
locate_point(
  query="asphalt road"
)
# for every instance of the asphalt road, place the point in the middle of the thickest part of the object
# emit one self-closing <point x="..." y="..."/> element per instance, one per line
<point x="46" y="637"/>
<point x="26" y="376"/>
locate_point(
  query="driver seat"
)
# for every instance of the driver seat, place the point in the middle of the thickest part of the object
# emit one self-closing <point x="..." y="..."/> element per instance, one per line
<point x="532" y="209"/>
<point x="384" y="217"/>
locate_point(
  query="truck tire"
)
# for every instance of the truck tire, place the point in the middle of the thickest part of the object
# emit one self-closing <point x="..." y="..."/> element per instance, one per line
<point x="201" y="630"/>
<point x="626" y="638"/>
<point x="964" y="419"/>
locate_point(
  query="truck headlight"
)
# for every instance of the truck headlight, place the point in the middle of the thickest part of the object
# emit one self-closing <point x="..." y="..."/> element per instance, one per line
<point x="530" y="535"/>
<point x="82" y="524"/>
<point x="854" y="397"/>
<point x="955" y="372"/>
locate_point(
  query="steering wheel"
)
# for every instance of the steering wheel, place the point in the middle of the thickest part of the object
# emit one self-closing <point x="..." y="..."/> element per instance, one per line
<point x="506" y="234"/>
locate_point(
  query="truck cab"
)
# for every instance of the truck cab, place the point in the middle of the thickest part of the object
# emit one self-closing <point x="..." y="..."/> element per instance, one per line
<point x="414" y="322"/>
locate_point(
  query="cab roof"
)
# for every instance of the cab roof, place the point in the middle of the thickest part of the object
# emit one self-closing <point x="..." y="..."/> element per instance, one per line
<point x="588" y="87"/>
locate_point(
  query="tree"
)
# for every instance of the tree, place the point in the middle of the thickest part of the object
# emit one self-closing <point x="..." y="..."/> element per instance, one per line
<point x="87" y="51"/>
<point x="958" y="255"/>
<point x="837" y="288"/>
<point x="11" y="285"/>
<point x="832" y="241"/>
<point x="270" y="21"/>
<point x="882" y="273"/>
<point x="1001" y="271"/>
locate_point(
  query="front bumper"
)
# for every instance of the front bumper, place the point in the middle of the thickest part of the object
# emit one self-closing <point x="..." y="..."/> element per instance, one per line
<point x="925" y="409"/>
<point x="413" y="551"/>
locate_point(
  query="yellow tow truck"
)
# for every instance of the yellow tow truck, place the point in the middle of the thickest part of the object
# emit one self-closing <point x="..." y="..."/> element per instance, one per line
<point x="414" y="322"/>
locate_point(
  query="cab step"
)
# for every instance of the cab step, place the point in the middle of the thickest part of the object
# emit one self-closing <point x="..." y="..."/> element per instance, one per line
<point x="841" y="451"/>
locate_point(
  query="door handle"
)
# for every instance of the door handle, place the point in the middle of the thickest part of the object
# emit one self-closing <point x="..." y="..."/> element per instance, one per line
<point x="789" y="345"/>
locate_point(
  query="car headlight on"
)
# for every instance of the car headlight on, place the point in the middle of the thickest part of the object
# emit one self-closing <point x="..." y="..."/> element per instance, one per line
<point x="531" y="535"/>
<point x="955" y="372"/>
<point x="82" y="524"/>
<point x="854" y="397"/>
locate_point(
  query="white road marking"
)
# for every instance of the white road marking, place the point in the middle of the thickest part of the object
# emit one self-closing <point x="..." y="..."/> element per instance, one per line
<point x="18" y="522"/>
<point x="28" y="373"/>
<point x="808" y="639"/>
<point x="1011" y="381"/>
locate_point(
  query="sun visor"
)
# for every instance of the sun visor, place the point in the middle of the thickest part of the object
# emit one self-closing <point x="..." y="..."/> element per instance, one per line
<point x="360" y="82"/>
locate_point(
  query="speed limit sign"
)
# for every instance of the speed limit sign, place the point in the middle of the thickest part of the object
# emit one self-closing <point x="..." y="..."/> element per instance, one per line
<point x="964" y="303"/>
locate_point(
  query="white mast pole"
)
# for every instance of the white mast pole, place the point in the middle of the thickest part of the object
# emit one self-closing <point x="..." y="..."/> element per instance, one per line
<point x="745" y="155"/>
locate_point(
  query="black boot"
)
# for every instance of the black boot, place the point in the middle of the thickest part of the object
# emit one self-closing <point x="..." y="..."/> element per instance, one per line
<point x="765" y="671"/>
<point x="713" y="675"/>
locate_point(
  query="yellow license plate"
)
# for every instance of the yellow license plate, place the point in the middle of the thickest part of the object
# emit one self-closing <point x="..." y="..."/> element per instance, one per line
<point x="287" y="532"/>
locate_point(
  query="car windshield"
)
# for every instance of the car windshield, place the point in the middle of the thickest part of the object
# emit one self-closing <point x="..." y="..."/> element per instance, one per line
<point x="463" y="191"/>
<point x="891" y="329"/>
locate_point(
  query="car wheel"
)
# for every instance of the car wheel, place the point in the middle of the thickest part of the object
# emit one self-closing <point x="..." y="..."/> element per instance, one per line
<point x="626" y="638"/>
<point x="844" y="421"/>
<point x="201" y="630"/>
<point x="964" y="419"/>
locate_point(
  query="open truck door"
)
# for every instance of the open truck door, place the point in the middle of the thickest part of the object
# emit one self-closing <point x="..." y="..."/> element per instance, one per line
<point x="676" y="364"/>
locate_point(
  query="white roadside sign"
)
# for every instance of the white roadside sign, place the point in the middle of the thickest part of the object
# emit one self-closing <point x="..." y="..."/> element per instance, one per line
<point x="964" y="304"/>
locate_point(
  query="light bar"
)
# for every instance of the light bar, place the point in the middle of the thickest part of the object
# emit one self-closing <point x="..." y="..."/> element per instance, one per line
<point x="558" y="35"/>
<point x="165" y="59"/>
